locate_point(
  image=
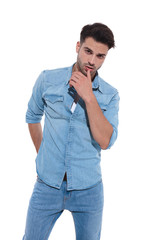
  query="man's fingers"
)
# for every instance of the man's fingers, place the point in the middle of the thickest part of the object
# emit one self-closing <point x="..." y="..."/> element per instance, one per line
<point x="74" y="78"/>
<point x="89" y="74"/>
<point x="75" y="75"/>
<point x="72" y="83"/>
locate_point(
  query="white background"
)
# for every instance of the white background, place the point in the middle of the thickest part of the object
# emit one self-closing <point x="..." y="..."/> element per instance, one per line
<point x="38" y="35"/>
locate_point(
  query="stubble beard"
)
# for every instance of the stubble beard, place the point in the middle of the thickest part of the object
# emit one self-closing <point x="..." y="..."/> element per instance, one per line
<point x="80" y="66"/>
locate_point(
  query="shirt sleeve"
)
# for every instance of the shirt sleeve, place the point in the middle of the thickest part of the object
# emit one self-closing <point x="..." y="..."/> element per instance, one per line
<point x="111" y="114"/>
<point x="36" y="104"/>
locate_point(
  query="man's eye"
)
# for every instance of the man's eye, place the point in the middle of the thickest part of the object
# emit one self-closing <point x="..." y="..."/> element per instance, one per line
<point x="100" y="56"/>
<point x="88" y="51"/>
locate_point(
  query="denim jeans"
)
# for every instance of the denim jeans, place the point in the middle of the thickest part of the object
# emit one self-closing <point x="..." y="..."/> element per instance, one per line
<point x="47" y="204"/>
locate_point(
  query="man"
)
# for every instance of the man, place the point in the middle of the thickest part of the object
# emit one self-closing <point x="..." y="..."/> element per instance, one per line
<point x="81" y="118"/>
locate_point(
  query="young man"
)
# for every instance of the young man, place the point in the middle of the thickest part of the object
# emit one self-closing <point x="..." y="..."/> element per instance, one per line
<point x="81" y="118"/>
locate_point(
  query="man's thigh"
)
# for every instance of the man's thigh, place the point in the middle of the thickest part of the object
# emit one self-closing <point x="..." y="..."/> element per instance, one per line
<point x="45" y="207"/>
<point x="87" y="211"/>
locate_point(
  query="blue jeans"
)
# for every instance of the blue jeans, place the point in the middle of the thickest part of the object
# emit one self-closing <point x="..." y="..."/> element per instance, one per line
<point x="47" y="204"/>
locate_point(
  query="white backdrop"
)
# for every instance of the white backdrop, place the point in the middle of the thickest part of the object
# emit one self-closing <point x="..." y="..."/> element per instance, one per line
<point x="38" y="35"/>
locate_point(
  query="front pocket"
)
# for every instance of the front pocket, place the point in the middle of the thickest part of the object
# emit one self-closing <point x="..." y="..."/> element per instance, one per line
<point x="103" y="108"/>
<point x="104" y="101"/>
<point x="54" y="106"/>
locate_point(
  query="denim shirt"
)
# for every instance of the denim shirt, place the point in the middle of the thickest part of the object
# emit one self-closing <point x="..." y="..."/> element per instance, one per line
<point x="67" y="144"/>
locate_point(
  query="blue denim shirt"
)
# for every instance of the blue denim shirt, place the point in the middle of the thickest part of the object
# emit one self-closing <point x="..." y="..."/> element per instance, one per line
<point x="68" y="144"/>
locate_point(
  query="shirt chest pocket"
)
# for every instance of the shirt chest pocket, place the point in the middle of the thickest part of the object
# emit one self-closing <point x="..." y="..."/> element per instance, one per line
<point x="104" y="101"/>
<point x="83" y="116"/>
<point x="103" y="107"/>
<point x="54" y="107"/>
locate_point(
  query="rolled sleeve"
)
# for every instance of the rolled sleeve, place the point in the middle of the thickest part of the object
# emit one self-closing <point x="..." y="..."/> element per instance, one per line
<point x="36" y="104"/>
<point x="111" y="114"/>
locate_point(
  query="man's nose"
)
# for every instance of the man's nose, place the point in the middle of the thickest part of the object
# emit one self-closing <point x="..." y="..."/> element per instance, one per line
<point x="91" y="61"/>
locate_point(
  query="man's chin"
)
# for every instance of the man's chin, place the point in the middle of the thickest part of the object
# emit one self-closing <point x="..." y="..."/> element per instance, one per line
<point x="83" y="72"/>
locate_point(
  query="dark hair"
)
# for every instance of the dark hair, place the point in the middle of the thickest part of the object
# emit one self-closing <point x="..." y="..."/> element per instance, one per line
<point x="99" y="32"/>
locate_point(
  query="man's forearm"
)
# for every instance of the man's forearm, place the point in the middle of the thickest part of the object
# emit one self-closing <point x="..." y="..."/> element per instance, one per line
<point x="100" y="127"/>
<point x="35" y="130"/>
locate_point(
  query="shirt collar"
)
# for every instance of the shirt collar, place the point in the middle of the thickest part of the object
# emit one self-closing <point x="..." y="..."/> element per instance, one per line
<point x="95" y="84"/>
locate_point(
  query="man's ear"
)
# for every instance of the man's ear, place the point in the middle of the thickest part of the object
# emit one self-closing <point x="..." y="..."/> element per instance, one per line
<point x="78" y="46"/>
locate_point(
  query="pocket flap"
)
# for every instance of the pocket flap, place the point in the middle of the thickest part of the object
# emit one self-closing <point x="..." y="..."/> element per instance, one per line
<point x="54" y="98"/>
<point x="104" y="100"/>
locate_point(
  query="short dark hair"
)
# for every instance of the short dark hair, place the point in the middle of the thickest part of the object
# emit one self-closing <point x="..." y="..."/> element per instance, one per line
<point x="99" y="32"/>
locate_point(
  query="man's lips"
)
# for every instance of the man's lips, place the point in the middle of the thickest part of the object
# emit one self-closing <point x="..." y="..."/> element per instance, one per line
<point x="89" y="68"/>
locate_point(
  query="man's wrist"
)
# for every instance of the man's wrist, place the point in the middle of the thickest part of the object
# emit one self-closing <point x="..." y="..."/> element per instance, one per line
<point x="90" y="98"/>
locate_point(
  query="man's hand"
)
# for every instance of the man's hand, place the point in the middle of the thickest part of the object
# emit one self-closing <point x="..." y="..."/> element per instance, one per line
<point x="101" y="129"/>
<point x="82" y="84"/>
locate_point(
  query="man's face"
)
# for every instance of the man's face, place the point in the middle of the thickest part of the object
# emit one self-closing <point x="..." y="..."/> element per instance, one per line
<point x="91" y="55"/>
